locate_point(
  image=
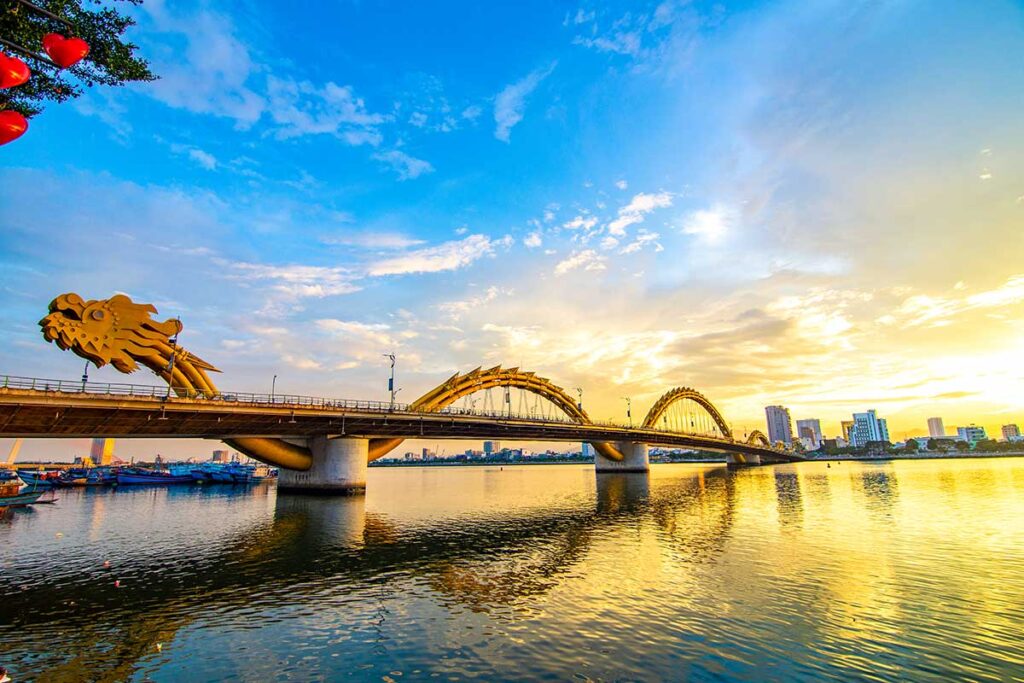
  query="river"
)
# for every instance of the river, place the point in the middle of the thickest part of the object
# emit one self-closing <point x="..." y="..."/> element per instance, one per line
<point x="851" y="571"/>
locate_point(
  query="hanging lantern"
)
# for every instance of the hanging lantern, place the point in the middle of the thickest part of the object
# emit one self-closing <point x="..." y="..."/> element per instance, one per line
<point x="12" y="126"/>
<point x="63" y="51"/>
<point x="13" y="71"/>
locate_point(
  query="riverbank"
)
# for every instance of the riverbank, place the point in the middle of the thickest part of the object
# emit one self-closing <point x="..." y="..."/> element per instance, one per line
<point x="913" y="456"/>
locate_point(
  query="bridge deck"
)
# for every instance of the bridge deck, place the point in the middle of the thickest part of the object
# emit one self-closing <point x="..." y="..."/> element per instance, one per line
<point x="71" y="414"/>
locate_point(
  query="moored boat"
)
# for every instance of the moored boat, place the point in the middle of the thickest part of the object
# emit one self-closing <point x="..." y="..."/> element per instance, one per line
<point x="264" y="472"/>
<point x="128" y="476"/>
<point x="40" y="479"/>
<point x="11" y="497"/>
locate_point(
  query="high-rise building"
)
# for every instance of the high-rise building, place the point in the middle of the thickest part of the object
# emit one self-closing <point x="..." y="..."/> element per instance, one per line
<point x="847" y="427"/>
<point x="936" y="429"/>
<point x="972" y="434"/>
<point x="102" y="451"/>
<point x="587" y="451"/>
<point x="780" y="427"/>
<point x="1011" y="432"/>
<point x="868" y="427"/>
<point x="220" y="456"/>
<point x="811" y="430"/>
<point x="491" y="447"/>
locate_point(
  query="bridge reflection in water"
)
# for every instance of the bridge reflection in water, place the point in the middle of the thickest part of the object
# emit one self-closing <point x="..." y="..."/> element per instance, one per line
<point x="472" y="571"/>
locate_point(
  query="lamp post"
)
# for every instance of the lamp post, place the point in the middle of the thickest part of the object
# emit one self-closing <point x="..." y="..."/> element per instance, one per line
<point x="273" y="386"/>
<point x="85" y="376"/>
<point x="579" y="397"/>
<point x="629" y="409"/>
<point x="391" y="380"/>
<point x="174" y="352"/>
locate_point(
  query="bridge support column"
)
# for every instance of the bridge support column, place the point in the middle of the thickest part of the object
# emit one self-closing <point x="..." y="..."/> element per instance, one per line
<point x="339" y="467"/>
<point x="634" y="460"/>
<point x="735" y="461"/>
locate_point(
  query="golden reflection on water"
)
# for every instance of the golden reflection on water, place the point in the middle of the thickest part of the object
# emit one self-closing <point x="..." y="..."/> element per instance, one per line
<point x="904" y="569"/>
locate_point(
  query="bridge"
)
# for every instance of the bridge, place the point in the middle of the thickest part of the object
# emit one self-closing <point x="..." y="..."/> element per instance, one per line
<point x="325" y="444"/>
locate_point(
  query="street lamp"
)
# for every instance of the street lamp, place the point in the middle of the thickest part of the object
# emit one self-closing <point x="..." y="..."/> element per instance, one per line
<point x="85" y="376"/>
<point x="629" y="409"/>
<point x="174" y="352"/>
<point x="391" y="379"/>
<point x="273" y="386"/>
<point x="579" y="394"/>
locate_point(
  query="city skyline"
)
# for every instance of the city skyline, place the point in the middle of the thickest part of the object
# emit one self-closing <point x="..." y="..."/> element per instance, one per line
<point x="623" y="201"/>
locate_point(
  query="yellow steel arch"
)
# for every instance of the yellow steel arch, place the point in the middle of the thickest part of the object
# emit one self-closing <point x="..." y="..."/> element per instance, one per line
<point x="459" y="385"/>
<point x="680" y="394"/>
<point x="757" y="437"/>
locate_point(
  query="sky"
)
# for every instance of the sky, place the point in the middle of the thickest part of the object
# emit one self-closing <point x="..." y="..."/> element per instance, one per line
<point x="814" y="204"/>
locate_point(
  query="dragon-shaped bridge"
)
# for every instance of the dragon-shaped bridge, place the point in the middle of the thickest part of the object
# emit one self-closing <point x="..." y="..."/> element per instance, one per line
<point x="326" y="444"/>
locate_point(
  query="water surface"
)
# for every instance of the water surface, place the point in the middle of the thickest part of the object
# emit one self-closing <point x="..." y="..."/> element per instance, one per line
<point x="881" y="571"/>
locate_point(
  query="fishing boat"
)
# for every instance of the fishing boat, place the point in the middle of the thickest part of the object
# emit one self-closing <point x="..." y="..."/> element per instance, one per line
<point x="128" y="476"/>
<point x="88" y="476"/>
<point x="222" y="475"/>
<point x="203" y="472"/>
<point x="264" y="472"/>
<point x="11" y="497"/>
<point x="40" y="479"/>
<point x="241" y="474"/>
<point x="8" y="475"/>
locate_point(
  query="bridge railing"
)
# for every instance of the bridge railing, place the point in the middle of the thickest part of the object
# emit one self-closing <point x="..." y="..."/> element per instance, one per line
<point x="277" y="400"/>
<point x="249" y="398"/>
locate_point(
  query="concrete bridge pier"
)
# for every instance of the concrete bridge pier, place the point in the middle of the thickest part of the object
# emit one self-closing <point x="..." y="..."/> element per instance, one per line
<point x="635" y="459"/>
<point x="339" y="468"/>
<point x="735" y="461"/>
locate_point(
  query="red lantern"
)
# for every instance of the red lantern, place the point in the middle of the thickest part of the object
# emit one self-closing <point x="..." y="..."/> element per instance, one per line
<point x="13" y="71"/>
<point x="12" y="126"/>
<point x="63" y="51"/>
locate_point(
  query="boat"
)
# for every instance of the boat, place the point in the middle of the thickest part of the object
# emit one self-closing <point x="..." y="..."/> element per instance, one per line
<point x="89" y="476"/>
<point x="241" y="474"/>
<point x="11" y="497"/>
<point x="128" y="476"/>
<point x="40" y="479"/>
<point x="203" y="473"/>
<point x="264" y="472"/>
<point x="8" y="475"/>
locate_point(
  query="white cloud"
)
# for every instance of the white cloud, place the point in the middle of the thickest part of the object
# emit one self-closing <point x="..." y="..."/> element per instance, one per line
<point x="472" y="112"/>
<point x="643" y="237"/>
<point x="301" y="108"/>
<point x="447" y="256"/>
<point x="581" y="222"/>
<point x="456" y="309"/>
<point x="406" y="166"/>
<point x="375" y="334"/>
<point x="373" y="240"/>
<point x="533" y="240"/>
<point x="510" y="103"/>
<point x="211" y="75"/>
<point x="621" y="184"/>
<point x="711" y="225"/>
<point x="634" y="212"/>
<point x="418" y="119"/>
<point x="299" y="280"/>
<point x="936" y="311"/>
<point x="200" y="157"/>
<point x="587" y="259"/>
<point x="204" y="159"/>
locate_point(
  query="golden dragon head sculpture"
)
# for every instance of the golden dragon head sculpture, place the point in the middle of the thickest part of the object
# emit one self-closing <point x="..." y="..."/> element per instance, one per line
<point x="121" y="332"/>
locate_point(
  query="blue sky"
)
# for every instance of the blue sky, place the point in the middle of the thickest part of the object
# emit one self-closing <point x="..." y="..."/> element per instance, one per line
<point x="818" y="204"/>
